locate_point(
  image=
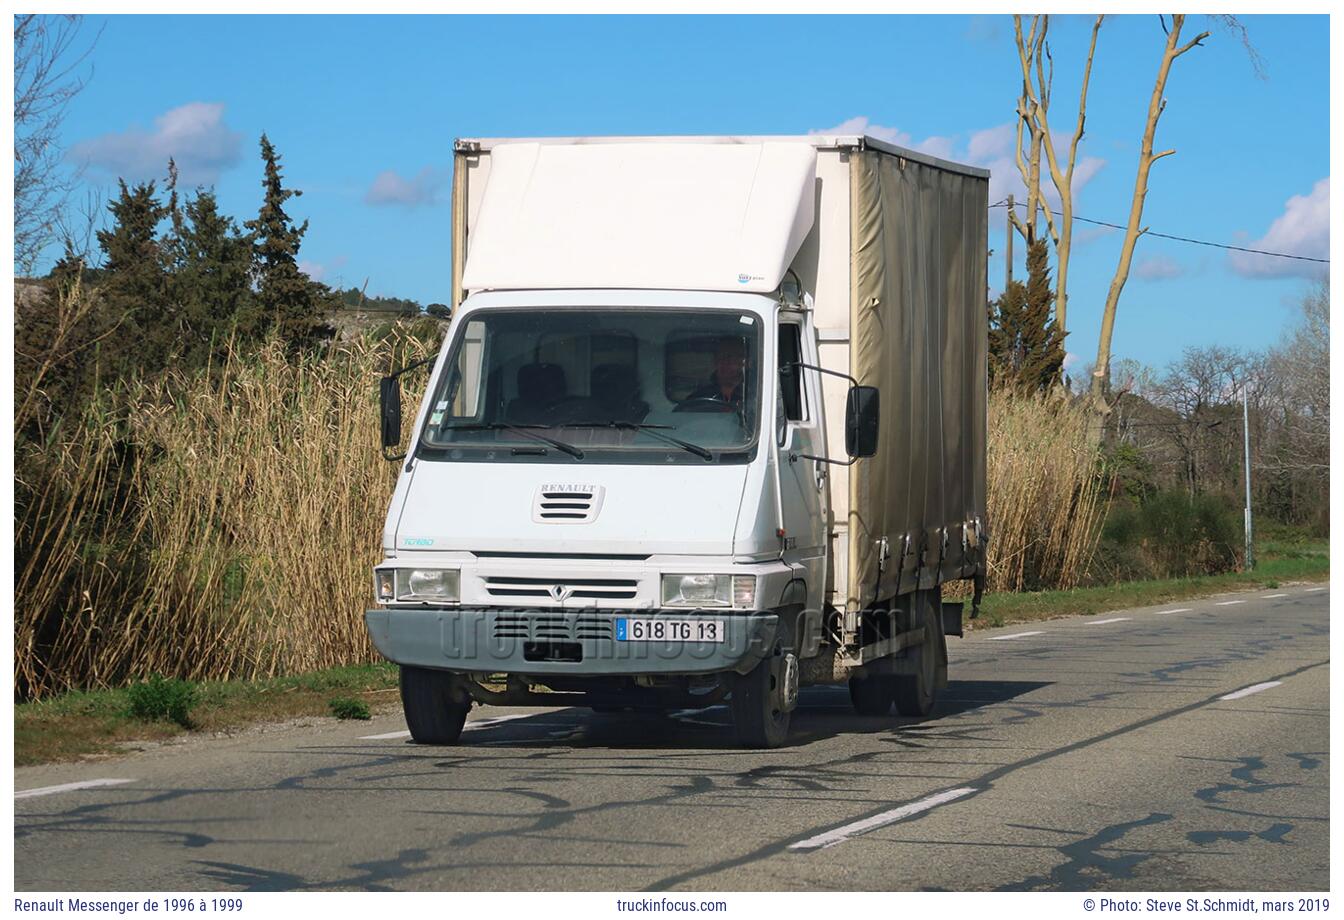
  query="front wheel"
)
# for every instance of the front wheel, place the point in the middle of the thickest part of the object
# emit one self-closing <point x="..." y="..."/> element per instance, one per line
<point x="759" y="703"/>
<point x="435" y="704"/>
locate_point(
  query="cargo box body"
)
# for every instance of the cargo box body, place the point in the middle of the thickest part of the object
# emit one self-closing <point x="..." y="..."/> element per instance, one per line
<point x="889" y="248"/>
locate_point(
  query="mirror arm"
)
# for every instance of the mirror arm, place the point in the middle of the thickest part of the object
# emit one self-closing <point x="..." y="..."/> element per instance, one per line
<point x="412" y="366"/>
<point x="391" y="458"/>
<point x="821" y="370"/>
<point x="850" y="462"/>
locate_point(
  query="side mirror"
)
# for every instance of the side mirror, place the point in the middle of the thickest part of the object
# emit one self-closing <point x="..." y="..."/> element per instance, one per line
<point x="389" y="410"/>
<point x="861" y="421"/>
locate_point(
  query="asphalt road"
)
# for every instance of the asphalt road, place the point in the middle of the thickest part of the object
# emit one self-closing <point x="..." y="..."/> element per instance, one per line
<point x="1183" y="747"/>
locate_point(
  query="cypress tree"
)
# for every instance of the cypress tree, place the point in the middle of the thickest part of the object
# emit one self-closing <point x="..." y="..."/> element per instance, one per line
<point x="288" y="301"/>
<point x="214" y="280"/>
<point x="135" y="289"/>
<point x="1026" y="347"/>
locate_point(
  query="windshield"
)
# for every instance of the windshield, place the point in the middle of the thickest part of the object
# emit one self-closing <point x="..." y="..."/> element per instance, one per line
<point x="613" y="385"/>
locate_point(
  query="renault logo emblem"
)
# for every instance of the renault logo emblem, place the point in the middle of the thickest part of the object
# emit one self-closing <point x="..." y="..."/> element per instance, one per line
<point x="561" y="592"/>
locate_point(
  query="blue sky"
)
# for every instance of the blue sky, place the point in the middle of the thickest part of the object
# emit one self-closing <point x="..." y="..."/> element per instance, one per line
<point x="364" y="110"/>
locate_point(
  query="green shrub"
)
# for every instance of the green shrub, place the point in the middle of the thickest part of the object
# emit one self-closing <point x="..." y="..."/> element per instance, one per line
<point x="348" y="708"/>
<point x="162" y="698"/>
<point x="1171" y="534"/>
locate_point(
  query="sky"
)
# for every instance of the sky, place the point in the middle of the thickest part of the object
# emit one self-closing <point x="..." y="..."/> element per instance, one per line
<point x="364" y="110"/>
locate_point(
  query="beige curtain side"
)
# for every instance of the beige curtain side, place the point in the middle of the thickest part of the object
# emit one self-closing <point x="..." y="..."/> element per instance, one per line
<point x="918" y="332"/>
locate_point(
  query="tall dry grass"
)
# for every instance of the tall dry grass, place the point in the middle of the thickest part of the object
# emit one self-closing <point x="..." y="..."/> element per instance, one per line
<point x="1045" y="494"/>
<point x="223" y="524"/>
<point x="215" y="525"/>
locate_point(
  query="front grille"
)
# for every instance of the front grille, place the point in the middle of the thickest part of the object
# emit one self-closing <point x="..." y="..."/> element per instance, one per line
<point x="561" y="589"/>
<point x="551" y="627"/>
<point x="566" y="504"/>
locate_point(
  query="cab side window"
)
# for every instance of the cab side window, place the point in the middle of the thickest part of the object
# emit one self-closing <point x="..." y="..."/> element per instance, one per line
<point x="791" y="378"/>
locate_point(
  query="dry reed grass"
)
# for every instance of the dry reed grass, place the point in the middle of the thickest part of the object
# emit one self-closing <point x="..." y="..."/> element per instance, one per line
<point x="208" y="526"/>
<point x="1046" y="501"/>
<point x="223" y="524"/>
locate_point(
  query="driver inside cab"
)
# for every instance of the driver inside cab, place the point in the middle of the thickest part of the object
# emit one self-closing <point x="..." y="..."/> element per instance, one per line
<point x="725" y="384"/>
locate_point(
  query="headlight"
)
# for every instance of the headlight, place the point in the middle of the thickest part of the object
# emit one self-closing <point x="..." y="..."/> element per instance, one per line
<point x="709" y="591"/>
<point x="435" y="585"/>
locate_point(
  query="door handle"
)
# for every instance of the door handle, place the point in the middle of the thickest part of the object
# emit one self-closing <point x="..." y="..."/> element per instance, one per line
<point x="819" y="470"/>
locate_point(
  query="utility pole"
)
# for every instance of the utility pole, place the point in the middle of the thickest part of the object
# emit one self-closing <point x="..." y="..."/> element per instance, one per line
<point x="1246" y="443"/>
<point x="1009" y="248"/>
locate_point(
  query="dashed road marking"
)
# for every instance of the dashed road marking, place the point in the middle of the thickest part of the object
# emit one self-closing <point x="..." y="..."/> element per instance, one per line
<point x="69" y="787"/>
<point x="1162" y="613"/>
<point x="1021" y="635"/>
<point x="841" y="834"/>
<point x="1271" y="596"/>
<point x="478" y="723"/>
<point x="1322" y="588"/>
<point x="1104" y="622"/>
<point x="1228" y="603"/>
<point x="1253" y="688"/>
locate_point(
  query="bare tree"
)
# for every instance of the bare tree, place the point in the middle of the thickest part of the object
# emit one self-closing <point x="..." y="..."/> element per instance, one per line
<point x="1302" y="365"/>
<point x="47" y="75"/>
<point x="1033" y="110"/>
<point x="1147" y="157"/>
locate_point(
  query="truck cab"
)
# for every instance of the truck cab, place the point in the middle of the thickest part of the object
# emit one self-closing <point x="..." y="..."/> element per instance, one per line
<point x="620" y="487"/>
<point x="617" y="493"/>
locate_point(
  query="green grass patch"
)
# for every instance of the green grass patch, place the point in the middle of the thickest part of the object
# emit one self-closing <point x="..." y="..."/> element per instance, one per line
<point x="83" y="723"/>
<point x="1278" y="565"/>
<point x="344" y="707"/>
<point x="162" y="698"/>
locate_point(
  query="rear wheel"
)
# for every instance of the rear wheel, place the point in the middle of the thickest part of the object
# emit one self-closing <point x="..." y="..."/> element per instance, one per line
<point x="758" y="703"/>
<point x="435" y="704"/>
<point x="916" y="693"/>
<point x="871" y="695"/>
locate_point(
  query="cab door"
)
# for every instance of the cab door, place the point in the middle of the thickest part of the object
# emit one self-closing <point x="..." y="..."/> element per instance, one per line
<point x="800" y="428"/>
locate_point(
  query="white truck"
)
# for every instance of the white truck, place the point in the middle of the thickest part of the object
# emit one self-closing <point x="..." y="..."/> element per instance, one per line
<point x="708" y="425"/>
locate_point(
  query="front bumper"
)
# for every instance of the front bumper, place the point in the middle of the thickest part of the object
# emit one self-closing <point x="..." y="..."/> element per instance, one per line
<point x="536" y="642"/>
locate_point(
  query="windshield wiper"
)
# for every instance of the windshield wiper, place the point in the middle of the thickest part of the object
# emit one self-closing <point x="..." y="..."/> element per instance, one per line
<point x="522" y="430"/>
<point x="648" y="429"/>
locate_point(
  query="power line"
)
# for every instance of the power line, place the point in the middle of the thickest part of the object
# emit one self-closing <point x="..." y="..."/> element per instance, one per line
<point x="1184" y="239"/>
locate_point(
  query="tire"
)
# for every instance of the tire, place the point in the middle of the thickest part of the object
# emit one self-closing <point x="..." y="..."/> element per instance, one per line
<point x="758" y="707"/>
<point x="435" y="705"/>
<point x="873" y="695"/>
<point x="917" y="693"/>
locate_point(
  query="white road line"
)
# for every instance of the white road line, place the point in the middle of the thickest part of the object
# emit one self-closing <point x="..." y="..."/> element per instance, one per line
<point x="841" y="834"/>
<point x="1322" y="588"/>
<point x="69" y="787"/>
<point x="478" y="723"/>
<point x="1104" y="622"/>
<point x="1023" y="635"/>
<point x="1162" y="613"/>
<point x="1253" y="688"/>
<point x="495" y="720"/>
<point x="1268" y="596"/>
<point x="1228" y="603"/>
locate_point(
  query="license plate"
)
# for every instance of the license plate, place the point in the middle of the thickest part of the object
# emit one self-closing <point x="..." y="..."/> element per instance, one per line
<point x="632" y="630"/>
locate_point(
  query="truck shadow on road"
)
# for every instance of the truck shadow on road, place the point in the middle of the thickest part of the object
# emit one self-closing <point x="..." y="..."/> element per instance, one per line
<point x="823" y="713"/>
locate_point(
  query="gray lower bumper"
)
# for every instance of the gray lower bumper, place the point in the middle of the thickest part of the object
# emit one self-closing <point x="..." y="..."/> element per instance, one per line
<point x="536" y="642"/>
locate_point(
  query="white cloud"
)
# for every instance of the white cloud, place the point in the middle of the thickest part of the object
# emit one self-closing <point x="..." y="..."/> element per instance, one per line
<point x="390" y="188"/>
<point x="1158" y="268"/>
<point x="317" y="271"/>
<point x="1302" y="229"/>
<point x="194" y="135"/>
<point x="860" y="124"/>
<point x="990" y="148"/>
